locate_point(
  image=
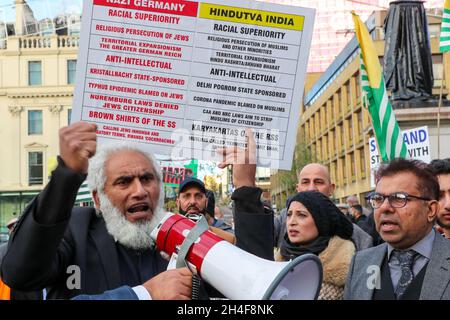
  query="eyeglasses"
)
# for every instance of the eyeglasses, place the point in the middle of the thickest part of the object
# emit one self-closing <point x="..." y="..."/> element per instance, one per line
<point x="396" y="200"/>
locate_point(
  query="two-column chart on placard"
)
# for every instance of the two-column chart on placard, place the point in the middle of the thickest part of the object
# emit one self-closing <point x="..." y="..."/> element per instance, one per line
<point x="184" y="78"/>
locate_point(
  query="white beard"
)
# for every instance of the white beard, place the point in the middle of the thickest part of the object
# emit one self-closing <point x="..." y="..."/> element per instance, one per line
<point x="131" y="235"/>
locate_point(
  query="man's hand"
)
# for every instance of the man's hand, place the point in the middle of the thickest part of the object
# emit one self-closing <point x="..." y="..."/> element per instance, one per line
<point x="77" y="143"/>
<point x="227" y="236"/>
<point x="242" y="160"/>
<point x="173" y="284"/>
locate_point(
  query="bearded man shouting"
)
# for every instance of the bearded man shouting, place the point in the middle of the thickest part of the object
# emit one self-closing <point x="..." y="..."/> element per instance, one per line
<point x="72" y="251"/>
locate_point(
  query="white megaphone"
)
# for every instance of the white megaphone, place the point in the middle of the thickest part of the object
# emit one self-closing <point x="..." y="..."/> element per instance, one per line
<point x="235" y="273"/>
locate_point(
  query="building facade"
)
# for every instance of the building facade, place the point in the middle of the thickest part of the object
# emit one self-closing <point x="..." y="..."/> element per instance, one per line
<point x="336" y="127"/>
<point x="333" y="27"/>
<point x="37" y="76"/>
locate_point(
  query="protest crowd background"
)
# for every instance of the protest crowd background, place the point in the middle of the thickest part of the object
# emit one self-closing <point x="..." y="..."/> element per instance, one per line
<point x="367" y="193"/>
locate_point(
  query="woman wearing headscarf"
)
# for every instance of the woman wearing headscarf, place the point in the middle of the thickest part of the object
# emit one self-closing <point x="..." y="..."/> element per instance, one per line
<point x="315" y="225"/>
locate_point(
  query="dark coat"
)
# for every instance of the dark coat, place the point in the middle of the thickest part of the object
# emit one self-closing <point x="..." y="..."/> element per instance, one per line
<point x="50" y="237"/>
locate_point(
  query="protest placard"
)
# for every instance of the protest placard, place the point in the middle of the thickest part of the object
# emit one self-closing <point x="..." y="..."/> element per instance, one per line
<point x="417" y="142"/>
<point x="186" y="77"/>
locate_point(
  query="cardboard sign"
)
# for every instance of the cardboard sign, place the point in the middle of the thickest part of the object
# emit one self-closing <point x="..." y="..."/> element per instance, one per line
<point x="183" y="78"/>
<point x="417" y="143"/>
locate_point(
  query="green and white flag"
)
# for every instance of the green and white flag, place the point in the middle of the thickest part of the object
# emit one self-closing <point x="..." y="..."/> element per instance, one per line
<point x="366" y="92"/>
<point x="387" y="131"/>
<point x="444" y="42"/>
<point x="84" y="194"/>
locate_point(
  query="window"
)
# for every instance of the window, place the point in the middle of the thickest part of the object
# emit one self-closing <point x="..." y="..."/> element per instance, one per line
<point x="348" y="132"/>
<point x="358" y="87"/>
<point x="34" y="122"/>
<point x="359" y="119"/>
<point x="437" y="68"/>
<point x="434" y="30"/>
<point x="352" y="167"/>
<point x="69" y="116"/>
<point x="330" y="113"/>
<point x="34" y="73"/>
<point x="319" y="149"/>
<point x="339" y="104"/>
<point x="349" y="94"/>
<point x="71" y="71"/>
<point x="333" y="171"/>
<point x="331" y="143"/>
<point x="341" y="171"/>
<point x="363" y="162"/>
<point x="323" y="118"/>
<point x="345" y="99"/>
<point x="46" y="27"/>
<point x="35" y="168"/>
<point x="345" y="135"/>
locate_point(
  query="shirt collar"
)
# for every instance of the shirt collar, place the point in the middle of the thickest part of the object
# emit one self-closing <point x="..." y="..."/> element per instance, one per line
<point x="423" y="247"/>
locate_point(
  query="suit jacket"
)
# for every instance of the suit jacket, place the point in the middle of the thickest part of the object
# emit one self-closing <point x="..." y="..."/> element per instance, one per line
<point x="121" y="293"/>
<point x="366" y="263"/>
<point x="47" y="256"/>
<point x="51" y="243"/>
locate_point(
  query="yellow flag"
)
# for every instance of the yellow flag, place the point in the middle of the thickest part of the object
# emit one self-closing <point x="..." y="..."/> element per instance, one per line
<point x="368" y="51"/>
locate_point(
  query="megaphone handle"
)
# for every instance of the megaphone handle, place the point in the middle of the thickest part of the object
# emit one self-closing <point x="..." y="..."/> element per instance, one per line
<point x="200" y="227"/>
<point x="196" y="282"/>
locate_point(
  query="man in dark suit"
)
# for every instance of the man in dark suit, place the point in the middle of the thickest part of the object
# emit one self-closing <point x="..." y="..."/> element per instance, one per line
<point x="414" y="262"/>
<point x="358" y="216"/>
<point x="90" y="251"/>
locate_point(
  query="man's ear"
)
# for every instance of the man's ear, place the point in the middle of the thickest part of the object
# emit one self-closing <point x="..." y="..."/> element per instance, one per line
<point x="96" y="199"/>
<point x="332" y="188"/>
<point x="433" y="208"/>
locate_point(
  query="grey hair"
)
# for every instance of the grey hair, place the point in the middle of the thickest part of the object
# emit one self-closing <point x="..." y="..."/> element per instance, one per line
<point x="96" y="172"/>
<point x="353" y="198"/>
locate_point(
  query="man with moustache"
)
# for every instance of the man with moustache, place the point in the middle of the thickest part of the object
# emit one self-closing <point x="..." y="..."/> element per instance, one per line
<point x="74" y="251"/>
<point x="414" y="261"/>
<point x="192" y="202"/>
<point x="442" y="169"/>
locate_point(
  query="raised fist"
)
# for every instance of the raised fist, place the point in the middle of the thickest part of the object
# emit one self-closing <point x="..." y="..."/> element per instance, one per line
<point x="77" y="143"/>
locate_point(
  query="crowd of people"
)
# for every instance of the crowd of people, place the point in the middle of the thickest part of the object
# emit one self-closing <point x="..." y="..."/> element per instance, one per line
<point x="398" y="249"/>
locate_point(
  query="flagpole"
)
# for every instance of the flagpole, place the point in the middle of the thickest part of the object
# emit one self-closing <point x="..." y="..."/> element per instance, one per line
<point x="439" y="106"/>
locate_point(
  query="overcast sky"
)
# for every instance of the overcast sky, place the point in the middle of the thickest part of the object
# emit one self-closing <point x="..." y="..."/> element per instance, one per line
<point x="41" y="8"/>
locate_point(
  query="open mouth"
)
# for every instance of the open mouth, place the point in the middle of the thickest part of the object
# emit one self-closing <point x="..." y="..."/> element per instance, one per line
<point x="138" y="208"/>
<point x="388" y="226"/>
<point x="193" y="209"/>
<point x="139" y="212"/>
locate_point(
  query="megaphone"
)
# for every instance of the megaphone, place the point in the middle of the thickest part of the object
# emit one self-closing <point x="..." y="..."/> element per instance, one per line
<point x="235" y="273"/>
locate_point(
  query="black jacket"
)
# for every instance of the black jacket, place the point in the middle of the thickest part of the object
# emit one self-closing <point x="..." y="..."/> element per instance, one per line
<point x="51" y="236"/>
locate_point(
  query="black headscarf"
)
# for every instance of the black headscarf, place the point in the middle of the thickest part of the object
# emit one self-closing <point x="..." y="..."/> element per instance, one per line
<point x="329" y="221"/>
